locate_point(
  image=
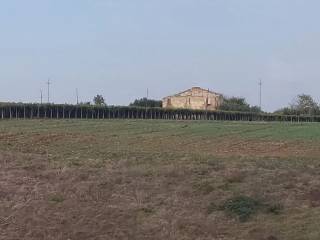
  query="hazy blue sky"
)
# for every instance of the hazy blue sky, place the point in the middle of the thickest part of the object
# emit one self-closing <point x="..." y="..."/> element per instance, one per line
<point x="119" y="48"/>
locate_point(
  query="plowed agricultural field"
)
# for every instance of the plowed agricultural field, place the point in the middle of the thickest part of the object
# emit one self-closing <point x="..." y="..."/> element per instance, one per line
<point x="123" y="179"/>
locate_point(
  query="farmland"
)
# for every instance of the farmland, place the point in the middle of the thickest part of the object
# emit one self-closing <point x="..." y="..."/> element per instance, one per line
<point x="157" y="179"/>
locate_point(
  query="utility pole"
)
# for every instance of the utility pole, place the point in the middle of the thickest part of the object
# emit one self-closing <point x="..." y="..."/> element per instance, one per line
<point x="77" y="94"/>
<point x="147" y="98"/>
<point x="41" y="96"/>
<point x="48" y="83"/>
<point x="260" y="94"/>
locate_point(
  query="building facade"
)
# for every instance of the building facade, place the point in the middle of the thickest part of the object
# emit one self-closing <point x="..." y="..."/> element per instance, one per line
<point x="194" y="98"/>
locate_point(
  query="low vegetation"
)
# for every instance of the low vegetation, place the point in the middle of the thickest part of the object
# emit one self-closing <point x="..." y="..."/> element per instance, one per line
<point x="147" y="103"/>
<point x="238" y="104"/>
<point x="302" y="105"/>
<point x="242" y="206"/>
<point x="151" y="179"/>
<point x="99" y="100"/>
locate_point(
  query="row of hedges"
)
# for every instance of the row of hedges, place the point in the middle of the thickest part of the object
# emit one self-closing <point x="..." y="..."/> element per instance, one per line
<point x="54" y="111"/>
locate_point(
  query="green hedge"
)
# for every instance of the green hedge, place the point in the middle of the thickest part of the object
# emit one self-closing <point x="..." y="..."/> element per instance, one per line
<point x="64" y="111"/>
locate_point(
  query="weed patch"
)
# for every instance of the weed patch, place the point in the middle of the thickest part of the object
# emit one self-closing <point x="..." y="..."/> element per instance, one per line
<point x="274" y="208"/>
<point x="204" y="187"/>
<point x="243" y="207"/>
<point x="56" y="199"/>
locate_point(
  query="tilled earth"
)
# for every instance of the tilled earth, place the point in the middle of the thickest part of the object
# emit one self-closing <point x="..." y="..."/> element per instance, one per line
<point x="75" y="185"/>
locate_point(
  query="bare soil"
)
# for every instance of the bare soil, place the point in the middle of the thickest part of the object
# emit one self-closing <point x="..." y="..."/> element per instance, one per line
<point x="75" y="185"/>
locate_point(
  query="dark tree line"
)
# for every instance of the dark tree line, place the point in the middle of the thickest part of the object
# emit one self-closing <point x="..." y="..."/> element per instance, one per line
<point x="238" y="104"/>
<point x="64" y="111"/>
<point x="302" y="105"/>
<point x="145" y="102"/>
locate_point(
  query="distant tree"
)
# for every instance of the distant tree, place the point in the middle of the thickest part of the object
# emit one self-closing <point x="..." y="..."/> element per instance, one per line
<point x="237" y="104"/>
<point x="305" y="104"/>
<point x="255" y="109"/>
<point x="99" y="100"/>
<point x="286" y="111"/>
<point x="302" y="105"/>
<point x="144" y="102"/>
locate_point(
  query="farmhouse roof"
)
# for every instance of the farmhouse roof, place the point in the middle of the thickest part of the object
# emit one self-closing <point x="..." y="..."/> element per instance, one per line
<point x="194" y="88"/>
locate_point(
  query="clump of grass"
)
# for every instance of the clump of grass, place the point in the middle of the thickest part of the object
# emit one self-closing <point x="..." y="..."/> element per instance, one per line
<point x="74" y="163"/>
<point x="204" y="187"/>
<point x="56" y="199"/>
<point x="274" y="208"/>
<point x="147" y="210"/>
<point x="272" y="238"/>
<point x="213" y="207"/>
<point x="242" y="206"/>
<point x="216" y="165"/>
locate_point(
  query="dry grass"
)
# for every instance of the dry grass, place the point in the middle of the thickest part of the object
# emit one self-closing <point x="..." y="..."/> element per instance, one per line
<point x="156" y="180"/>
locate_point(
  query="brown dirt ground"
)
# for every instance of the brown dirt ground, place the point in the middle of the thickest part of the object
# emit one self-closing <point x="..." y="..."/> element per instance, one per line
<point x="121" y="200"/>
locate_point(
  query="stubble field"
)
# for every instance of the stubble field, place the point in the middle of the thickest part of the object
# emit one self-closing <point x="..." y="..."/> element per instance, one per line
<point x="125" y="179"/>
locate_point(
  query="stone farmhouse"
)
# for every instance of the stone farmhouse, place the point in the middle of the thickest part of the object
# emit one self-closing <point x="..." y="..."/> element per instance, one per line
<point x="194" y="98"/>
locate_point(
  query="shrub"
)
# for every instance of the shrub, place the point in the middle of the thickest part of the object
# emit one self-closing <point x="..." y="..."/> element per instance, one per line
<point x="241" y="206"/>
<point x="244" y="207"/>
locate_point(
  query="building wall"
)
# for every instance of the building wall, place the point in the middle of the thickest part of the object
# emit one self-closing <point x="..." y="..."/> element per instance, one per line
<point x="195" y="98"/>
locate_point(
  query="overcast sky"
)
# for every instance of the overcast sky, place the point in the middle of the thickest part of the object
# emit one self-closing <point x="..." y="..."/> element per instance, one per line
<point x="119" y="48"/>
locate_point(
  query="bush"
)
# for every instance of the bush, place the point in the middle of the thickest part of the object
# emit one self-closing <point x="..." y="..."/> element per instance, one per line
<point x="242" y="206"/>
